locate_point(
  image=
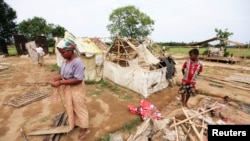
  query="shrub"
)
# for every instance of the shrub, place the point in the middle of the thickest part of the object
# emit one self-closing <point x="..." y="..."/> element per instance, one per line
<point x="226" y="54"/>
<point x="205" y="52"/>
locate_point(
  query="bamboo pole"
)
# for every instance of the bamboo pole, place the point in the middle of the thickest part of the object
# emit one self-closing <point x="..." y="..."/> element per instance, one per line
<point x="202" y="126"/>
<point x="185" y="120"/>
<point x="187" y="133"/>
<point x="192" y="125"/>
<point x="202" y="130"/>
<point x="176" y="132"/>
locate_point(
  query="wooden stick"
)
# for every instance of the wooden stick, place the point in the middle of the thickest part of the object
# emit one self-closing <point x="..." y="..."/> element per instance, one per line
<point x="23" y="134"/>
<point x="195" y="124"/>
<point x="176" y="132"/>
<point x="64" y="121"/>
<point x="192" y="124"/>
<point x="185" y="120"/>
<point x="187" y="132"/>
<point x="189" y="129"/>
<point x="202" y="130"/>
<point x="58" y="123"/>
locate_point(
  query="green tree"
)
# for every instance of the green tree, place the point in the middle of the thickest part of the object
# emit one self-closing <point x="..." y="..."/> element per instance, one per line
<point x="129" y="22"/>
<point x="223" y="35"/>
<point x="30" y="28"/>
<point x="7" y="20"/>
<point x="58" y="31"/>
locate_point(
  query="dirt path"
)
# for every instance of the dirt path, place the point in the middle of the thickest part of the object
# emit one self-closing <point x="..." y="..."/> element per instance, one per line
<point x="106" y="102"/>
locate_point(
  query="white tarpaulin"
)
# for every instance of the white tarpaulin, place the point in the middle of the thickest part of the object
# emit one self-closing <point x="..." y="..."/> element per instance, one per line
<point x="140" y="80"/>
<point x="147" y="56"/>
<point x="30" y="46"/>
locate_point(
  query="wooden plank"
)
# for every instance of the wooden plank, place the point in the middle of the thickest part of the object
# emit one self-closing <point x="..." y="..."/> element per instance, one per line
<point x="52" y="130"/>
<point x="58" y="123"/>
<point x="224" y="82"/>
<point x="64" y="121"/>
<point x="55" y="122"/>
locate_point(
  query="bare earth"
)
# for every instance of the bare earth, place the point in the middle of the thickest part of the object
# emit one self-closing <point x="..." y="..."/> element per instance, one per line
<point x="107" y="104"/>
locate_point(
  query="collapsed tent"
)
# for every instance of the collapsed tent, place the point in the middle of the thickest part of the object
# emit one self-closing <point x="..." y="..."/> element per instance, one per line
<point x="130" y="64"/>
<point x="90" y="54"/>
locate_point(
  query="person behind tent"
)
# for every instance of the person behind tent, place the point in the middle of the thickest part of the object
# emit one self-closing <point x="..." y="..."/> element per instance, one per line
<point x="191" y="68"/>
<point x="231" y="59"/>
<point x="71" y="84"/>
<point x="40" y="54"/>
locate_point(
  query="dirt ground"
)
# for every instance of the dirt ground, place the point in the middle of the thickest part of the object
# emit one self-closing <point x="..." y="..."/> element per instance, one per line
<point x="106" y="102"/>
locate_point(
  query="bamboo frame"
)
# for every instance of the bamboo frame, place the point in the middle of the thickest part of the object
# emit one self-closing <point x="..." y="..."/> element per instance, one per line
<point x="185" y="120"/>
<point x="176" y="132"/>
<point x="192" y="125"/>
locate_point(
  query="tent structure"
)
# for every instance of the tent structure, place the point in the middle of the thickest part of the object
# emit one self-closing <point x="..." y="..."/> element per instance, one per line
<point x="20" y="42"/>
<point x="238" y="44"/>
<point x="90" y="54"/>
<point x="154" y="48"/>
<point x="130" y="64"/>
<point x="3" y="46"/>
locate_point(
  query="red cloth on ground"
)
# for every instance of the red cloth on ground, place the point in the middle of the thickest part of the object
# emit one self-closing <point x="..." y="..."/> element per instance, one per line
<point x="145" y="110"/>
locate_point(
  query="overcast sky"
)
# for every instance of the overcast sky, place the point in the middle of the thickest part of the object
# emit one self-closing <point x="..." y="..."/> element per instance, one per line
<point x="175" y="20"/>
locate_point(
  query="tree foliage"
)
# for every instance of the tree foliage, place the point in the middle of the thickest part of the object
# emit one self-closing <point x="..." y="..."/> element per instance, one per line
<point x="129" y="22"/>
<point x="7" y="20"/>
<point x="30" y="28"/>
<point x="223" y="34"/>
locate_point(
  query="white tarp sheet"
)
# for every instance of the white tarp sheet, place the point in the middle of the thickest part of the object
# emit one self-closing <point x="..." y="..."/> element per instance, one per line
<point x="30" y="46"/>
<point x="147" y="56"/>
<point x="140" y="80"/>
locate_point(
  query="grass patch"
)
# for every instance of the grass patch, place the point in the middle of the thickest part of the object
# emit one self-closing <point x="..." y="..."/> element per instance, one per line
<point x="54" y="68"/>
<point x="115" y="88"/>
<point x="129" y="126"/>
<point x="112" y="87"/>
<point x="103" y="83"/>
<point x="51" y="49"/>
<point x="127" y="97"/>
<point x="105" y="138"/>
<point x="97" y="93"/>
<point x="12" y="51"/>
<point x="90" y="82"/>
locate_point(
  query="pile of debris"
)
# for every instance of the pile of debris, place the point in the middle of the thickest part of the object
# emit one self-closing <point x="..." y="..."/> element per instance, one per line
<point x="194" y="127"/>
<point x="184" y="124"/>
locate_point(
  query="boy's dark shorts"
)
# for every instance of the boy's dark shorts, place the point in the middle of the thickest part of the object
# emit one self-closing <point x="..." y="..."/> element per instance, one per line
<point x="187" y="89"/>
